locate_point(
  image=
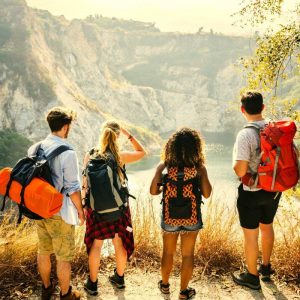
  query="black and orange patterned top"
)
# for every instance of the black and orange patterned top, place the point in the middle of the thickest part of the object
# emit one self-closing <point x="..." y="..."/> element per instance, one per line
<point x="181" y="196"/>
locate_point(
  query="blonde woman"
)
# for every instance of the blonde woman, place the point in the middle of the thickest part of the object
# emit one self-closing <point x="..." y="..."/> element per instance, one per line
<point x="120" y="231"/>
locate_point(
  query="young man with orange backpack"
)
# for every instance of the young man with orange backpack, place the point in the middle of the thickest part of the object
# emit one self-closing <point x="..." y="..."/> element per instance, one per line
<point x="56" y="234"/>
<point x="265" y="158"/>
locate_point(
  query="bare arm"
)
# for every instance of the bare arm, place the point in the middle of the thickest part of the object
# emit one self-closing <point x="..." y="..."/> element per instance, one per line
<point x="205" y="183"/>
<point x="132" y="156"/>
<point x="240" y="167"/>
<point x="76" y="199"/>
<point x="84" y="180"/>
<point x="155" y="189"/>
<point x="296" y="150"/>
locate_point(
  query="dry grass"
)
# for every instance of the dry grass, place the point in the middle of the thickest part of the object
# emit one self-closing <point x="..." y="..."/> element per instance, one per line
<point x="218" y="250"/>
<point x="286" y="257"/>
<point x="18" y="246"/>
<point x="219" y="247"/>
<point x="147" y="234"/>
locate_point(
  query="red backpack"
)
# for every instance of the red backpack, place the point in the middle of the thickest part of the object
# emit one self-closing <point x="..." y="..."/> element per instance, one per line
<point x="278" y="169"/>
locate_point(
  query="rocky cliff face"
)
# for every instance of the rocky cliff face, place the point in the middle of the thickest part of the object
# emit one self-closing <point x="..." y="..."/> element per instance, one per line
<point x="106" y="67"/>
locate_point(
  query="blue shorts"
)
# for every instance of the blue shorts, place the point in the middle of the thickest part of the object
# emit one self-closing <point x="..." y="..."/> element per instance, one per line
<point x="183" y="228"/>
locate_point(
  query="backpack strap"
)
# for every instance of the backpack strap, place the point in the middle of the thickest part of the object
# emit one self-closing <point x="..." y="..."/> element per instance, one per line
<point x="180" y="181"/>
<point x="92" y="151"/>
<point x="53" y="154"/>
<point x="6" y="193"/>
<point x="278" y="150"/>
<point x="253" y="176"/>
<point x="58" y="151"/>
<point x="37" y="148"/>
<point x="256" y="127"/>
<point x="115" y="167"/>
<point x="253" y="125"/>
<point x="123" y="170"/>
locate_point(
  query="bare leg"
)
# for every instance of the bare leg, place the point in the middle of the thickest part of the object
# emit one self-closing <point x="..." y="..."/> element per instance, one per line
<point x="251" y="249"/>
<point x="64" y="276"/>
<point x="267" y="242"/>
<point x="187" y="252"/>
<point x="94" y="259"/>
<point x="44" y="267"/>
<point x="169" y="248"/>
<point x="121" y="255"/>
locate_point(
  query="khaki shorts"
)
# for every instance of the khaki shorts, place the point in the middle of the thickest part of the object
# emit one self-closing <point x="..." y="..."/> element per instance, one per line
<point x="56" y="236"/>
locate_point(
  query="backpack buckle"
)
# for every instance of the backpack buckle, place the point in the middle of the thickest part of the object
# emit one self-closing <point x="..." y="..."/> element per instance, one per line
<point x="180" y="175"/>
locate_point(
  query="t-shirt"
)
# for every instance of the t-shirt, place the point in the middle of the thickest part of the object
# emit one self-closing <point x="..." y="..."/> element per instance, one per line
<point x="247" y="147"/>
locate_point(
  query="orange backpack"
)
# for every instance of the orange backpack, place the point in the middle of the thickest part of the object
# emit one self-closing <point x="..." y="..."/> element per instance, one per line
<point x="181" y="197"/>
<point x="40" y="197"/>
<point x="278" y="169"/>
<point x="28" y="192"/>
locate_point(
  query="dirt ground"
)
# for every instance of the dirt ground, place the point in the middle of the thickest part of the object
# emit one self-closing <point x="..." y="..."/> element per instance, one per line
<point x="142" y="285"/>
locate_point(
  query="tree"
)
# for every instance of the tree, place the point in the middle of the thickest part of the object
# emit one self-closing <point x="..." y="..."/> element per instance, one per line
<point x="200" y="30"/>
<point x="277" y="56"/>
<point x="13" y="146"/>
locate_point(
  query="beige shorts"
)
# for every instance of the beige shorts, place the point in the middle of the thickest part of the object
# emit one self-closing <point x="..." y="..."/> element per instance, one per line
<point x="56" y="236"/>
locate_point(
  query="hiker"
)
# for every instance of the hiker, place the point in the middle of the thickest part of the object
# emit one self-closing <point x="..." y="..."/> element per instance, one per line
<point x="115" y="225"/>
<point x="183" y="185"/>
<point x="56" y="234"/>
<point x="256" y="207"/>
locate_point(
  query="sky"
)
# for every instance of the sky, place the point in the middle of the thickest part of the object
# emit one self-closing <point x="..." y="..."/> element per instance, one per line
<point x="168" y="15"/>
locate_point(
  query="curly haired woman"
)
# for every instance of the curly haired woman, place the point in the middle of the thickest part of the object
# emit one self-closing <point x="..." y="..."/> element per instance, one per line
<point x="183" y="186"/>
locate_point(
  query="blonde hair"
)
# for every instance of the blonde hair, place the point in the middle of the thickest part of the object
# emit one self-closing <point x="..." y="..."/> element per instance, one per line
<point x="108" y="143"/>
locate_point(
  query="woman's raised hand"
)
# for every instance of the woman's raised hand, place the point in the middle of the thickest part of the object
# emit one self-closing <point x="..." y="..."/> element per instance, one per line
<point x="125" y="132"/>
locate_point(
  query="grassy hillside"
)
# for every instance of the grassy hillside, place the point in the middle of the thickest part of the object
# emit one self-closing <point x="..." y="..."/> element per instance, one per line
<point x="13" y="147"/>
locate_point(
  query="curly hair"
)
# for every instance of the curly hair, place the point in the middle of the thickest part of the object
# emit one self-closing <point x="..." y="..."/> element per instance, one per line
<point x="184" y="149"/>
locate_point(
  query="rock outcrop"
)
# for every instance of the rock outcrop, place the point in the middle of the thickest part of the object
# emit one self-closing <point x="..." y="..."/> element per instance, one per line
<point x="112" y="68"/>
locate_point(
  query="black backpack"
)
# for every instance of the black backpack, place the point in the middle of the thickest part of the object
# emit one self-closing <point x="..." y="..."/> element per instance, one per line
<point x="181" y="197"/>
<point x="28" y="168"/>
<point x="106" y="196"/>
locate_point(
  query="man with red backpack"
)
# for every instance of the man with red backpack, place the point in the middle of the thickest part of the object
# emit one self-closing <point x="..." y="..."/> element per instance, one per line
<point x="265" y="159"/>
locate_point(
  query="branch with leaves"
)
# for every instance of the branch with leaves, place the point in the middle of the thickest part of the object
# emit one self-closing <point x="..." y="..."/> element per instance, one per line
<point x="277" y="54"/>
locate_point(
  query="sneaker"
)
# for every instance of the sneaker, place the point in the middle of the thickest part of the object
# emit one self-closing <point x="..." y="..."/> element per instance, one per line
<point x="117" y="280"/>
<point x="265" y="272"/>
<point x="91" y="287"/>
<point x="247" y="279"/>
<point x="71" y="295"/>
<point x="47" y="292"/>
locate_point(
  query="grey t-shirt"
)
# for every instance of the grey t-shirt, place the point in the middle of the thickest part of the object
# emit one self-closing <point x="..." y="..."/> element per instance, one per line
<point x="246" y="148"/>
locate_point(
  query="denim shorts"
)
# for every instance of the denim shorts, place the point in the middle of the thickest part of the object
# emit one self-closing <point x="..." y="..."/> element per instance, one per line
<point x="180" y="229"/>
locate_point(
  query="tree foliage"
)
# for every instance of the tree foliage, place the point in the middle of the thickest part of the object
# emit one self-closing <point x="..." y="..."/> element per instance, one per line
<point x="258" y="11"/>
<point x="277" y="55"/>
<point x="276" y="60"/>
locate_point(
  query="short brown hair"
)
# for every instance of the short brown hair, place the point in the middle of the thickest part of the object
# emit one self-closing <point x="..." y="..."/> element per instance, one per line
<point x="252" y="102"/>
<point x="59" y="116"/>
